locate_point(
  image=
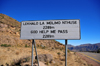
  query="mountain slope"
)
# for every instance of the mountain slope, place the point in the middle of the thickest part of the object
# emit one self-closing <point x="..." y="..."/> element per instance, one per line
<point x="10" y="34"/>
<point x="9" y="21"/>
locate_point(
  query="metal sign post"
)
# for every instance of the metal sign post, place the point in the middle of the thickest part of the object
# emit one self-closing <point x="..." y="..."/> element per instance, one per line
<point x="36" y="54"/>
<point x="32" y="51"/>
<point x="65" y="52"/>
<point x="33" y="43"/>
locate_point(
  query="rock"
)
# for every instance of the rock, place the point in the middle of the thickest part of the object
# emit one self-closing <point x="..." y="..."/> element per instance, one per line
<point x="53" y="62"/>
<point x="26" y="64"/>
<point x="3" y="26"/>
<point x="17" y="34"/>
<point x="29" y="64"/>
<point x="42" y="46"/>
<point x="40" y="63"/>
<point x="2" y="29"/>
<point x="45" y="57"/>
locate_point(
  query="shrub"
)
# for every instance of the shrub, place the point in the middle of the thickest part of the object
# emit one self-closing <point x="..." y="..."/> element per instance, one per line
<point x="38" y="45"/>
<point x="43" y="47"/>
<point x="58" y="53"/>
<point x="64" y="54"/>
<point x="47" y="63"/>
<point x="17" y="53"/>
<point x="26" y="45"/>
<point x="60" y="49"/>
<point x="74" y="53"/>
<point x="5" y="45"/>
<point x="2" y="16"/>
<point x="52" y="48"/>
<point x="68" y="51"/>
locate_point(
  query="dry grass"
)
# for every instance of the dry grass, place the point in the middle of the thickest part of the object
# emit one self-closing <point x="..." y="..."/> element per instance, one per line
<point x="10" y="55"/>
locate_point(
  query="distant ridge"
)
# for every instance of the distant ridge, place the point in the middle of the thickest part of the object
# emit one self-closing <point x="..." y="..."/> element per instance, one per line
<point x="85" y="47"/>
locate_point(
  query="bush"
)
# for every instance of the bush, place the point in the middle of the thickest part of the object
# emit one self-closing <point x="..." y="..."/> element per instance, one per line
<point x="5" y="45"/>
<point x="68" y="51"/>
<point x="58" y="53"/>
<point x="74" y="53"/>
<point x="43" y="47"/>
<point x="2" y="16"/>
<point x="60" y="49"/>
<point x="26" y="45"/>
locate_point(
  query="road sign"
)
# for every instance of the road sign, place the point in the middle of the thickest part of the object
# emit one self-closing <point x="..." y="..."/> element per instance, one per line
<point x="50" y="29"/>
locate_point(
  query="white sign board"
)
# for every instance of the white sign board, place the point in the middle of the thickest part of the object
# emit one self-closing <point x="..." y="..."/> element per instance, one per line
<point x="50" y="29"/>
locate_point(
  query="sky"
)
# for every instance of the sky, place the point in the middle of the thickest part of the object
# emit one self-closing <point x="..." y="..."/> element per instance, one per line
<point x="88" y="11"/>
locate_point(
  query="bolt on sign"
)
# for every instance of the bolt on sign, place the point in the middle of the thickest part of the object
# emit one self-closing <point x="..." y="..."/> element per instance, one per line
<point x="50" y="29"/>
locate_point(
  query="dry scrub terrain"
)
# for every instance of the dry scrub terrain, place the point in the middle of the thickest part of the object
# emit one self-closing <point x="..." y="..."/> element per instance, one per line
<point x="11" y="55"/>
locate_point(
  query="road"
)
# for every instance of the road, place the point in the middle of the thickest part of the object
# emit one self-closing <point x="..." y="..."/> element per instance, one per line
<point x="93" y="56"/>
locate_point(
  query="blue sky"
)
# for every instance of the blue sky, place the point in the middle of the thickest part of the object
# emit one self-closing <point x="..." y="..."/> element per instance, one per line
<point x="88" y="11"/>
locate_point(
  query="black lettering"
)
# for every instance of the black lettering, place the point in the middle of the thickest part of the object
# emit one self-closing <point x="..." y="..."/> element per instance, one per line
<point x="53" y="22"/>
<point x="69" y="22"/>
<point x="32" y="23"/>
<point x="34" y="31"/>
<point x="48" y="27"/>
<point x="62" y="31"/>
<point x="43" y="31"/>
<point x="48" y="36"/>
<point x="41" y="23"/>
<point x="53" y="31"/>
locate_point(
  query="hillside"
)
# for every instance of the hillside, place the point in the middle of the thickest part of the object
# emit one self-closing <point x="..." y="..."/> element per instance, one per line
<point x="85" y="47"/>
<point x="10" y="33"/>
<point x="16" y="52"/>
